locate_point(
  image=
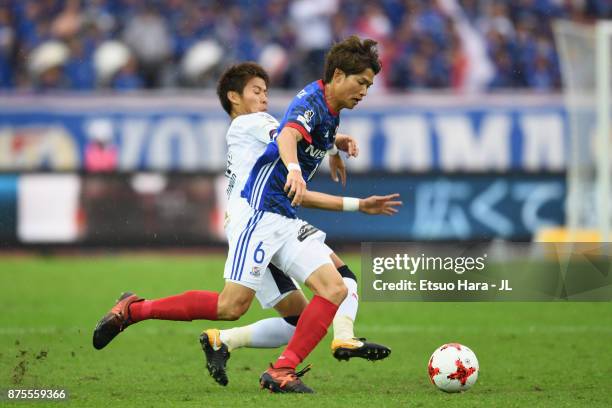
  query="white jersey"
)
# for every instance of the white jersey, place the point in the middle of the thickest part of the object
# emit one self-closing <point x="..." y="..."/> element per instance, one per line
<point x="247" y="138"/>
<point x="254" y="237"/>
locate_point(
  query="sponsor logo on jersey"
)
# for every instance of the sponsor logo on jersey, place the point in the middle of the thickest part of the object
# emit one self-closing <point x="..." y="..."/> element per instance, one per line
<point x="305" y="231"/>
<point x="228" y="166"/>
<point x="301" y="94"/>
<point x="315" y="153"/>
<point x="231" y="184"/>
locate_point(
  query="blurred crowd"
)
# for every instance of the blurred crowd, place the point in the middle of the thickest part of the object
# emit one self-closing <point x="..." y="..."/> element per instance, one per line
<point x="143" y="44"/>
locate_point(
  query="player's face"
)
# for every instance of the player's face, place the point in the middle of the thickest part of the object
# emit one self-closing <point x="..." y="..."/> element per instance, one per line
<point x="353" y="88"/>
<point x="254" y="97"/>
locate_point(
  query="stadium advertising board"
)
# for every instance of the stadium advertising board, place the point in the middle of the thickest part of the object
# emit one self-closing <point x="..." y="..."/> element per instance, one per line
<point x="411" y="134"/>
<point x="151" y="209"/>
<point x="440" y="207"/>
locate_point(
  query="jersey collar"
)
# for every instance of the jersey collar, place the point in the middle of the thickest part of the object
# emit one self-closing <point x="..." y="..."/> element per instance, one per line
<point x="322" y="86"/>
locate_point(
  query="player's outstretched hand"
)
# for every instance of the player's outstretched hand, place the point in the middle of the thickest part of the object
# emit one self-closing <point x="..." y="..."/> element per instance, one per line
<point x="295" y="187"/>
<point x="376" y="205"/>
<point x="337" y="167"/>
<point x="347" y="144"/>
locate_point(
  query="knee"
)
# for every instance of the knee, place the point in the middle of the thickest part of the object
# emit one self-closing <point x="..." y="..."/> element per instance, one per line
<point x="339" y="292"/>
<point x="231" y="309"/>
<point x="335" y="291"/>
<point x="235" y="312"/>
<point x="327" y="283"/>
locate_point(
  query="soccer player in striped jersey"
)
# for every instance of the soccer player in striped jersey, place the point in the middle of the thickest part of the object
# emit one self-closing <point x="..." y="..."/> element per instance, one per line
<point x="277" y="185"/>
<point x="242" y="91"/>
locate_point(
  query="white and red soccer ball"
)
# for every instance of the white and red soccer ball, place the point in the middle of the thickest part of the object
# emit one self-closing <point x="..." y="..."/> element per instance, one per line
<point x="453" y="367"/>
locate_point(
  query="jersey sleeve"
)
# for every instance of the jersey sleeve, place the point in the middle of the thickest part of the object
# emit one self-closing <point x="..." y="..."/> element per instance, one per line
<point x="262" y="126"/>
<point x="304" y="117"/>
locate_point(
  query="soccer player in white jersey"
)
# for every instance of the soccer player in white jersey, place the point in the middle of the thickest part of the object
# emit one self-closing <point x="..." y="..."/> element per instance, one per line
<point x="231" y="302"/>
<point x="242" y="91"/>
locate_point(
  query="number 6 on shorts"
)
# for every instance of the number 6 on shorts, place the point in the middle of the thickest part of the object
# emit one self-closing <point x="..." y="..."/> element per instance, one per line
<point x="259" y="254"/>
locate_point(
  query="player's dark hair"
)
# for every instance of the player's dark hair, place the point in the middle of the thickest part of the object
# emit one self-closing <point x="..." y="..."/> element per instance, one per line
<point x="351" y="56"/>
<point x="235" y="79"/>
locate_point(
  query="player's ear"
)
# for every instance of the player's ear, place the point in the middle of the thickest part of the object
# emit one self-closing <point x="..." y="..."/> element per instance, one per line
<point x="234" y="97"/>
<point x="339" y="75"/>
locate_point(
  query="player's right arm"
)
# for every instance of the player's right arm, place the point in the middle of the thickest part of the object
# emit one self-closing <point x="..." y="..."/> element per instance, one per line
<point x="373" y="205"/>
<point x="287" y="147"/>
<point x="349" y="146"/>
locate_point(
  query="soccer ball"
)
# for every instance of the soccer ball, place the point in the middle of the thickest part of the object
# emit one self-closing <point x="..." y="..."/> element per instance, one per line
<point x="453" y="367"/>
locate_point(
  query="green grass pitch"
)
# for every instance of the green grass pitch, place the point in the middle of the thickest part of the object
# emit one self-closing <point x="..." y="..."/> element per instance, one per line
<point x="531" y="354"/>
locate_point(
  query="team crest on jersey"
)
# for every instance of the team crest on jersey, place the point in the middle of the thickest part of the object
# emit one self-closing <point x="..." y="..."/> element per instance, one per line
<point x="256" y="271"/>
<point x="305" y="119"/>
<point x="308" y="115"/>
<point x="305" y="231"/>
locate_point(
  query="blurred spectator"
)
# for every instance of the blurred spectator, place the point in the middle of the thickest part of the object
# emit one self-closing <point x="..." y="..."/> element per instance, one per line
<point x="46" y="65"/>
<point x="374" y="23"/>
<point x="312" y="23"/>
<point x="7" y="48"/>
<point x="68" y="22"/>
<point x="540" y="76"/>
<point x="79" y="67"/>
<point x="116" y="68"/>
<point x="275" y="60"/>
<point x="423" y="44"/>
<point x="147" y="34"/>
<point x="201" y="63"/>
<point x="127" y="79"/>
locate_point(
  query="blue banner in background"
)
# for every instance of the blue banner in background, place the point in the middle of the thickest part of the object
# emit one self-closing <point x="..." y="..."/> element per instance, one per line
<point x="407" y="134"/>
<point x="180" y="210"/>
<point x="445" y="208"/>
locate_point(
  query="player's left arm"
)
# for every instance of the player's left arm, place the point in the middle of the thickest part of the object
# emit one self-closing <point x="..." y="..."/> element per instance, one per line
<point x="373" y="205"/>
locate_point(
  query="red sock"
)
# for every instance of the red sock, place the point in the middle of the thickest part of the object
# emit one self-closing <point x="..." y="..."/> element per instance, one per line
<point x="191" y="305"/>
<point x="311" y="328"/>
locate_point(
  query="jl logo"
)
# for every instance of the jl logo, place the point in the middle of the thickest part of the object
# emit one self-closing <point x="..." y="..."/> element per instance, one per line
<point x="256" y="271"/>
<point x="308" y="115"/>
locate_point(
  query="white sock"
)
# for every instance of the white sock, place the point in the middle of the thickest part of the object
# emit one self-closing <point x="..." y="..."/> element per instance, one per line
<point x="236" y="337"/>
<point x="271" y="333"/>
<point x="347" y="312"/>
<point x="267" y="333"/>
